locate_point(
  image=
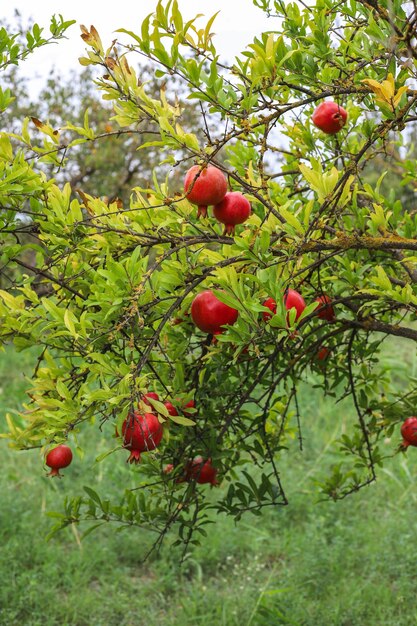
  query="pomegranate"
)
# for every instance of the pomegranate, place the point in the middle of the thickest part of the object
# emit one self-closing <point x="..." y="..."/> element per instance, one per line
<point x="325" y="311"/>
<point x="409" y="432"/>
<point x="171" y="408"/>
<point x="201" y="471"/>
<point x="189" y="405"/>
<point x="141" y="433"/>
<point x="322" y="353"/>
<point x="272" y="305"/>
<point x="168" y="468"/>
<point x="209" y="314"/>
<point x="58" y="458"/>
<point x="292" y="299"/>
<point x="232" y="210"/>
<point x="204" y="186"/>
<point x="329" y="117"/>
<point x="152" y="395"/>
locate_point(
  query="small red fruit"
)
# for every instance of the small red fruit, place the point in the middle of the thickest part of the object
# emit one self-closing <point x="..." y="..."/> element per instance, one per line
<point x="329" y="117"/>
<point x="232" y="210"/>
<point x="168" y="468"/>
<point x="204" y="186"/>
<point x="409" y="432"/>
<point x="58" y="458"/>
<point x="189" y="405"/>
<point x="152" y="395"/>
<point x="171" y="408"/>
<point x="292" y="299"/>
<point x="325" y="311"/>
<point x="201" y="471"/>
<point x="210" y="315"/>
<point x="272" y="305"/>
<point x="141" y="433"/>
<point x="322" y="353"/>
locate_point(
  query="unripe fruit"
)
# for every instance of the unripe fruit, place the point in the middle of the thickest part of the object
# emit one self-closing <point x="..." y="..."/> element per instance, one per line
<point x="204" y="186"/>
<point x="209" y="314"/>
<point x="329" y="117"/>
<point x="201" y="471"/>
<point x="409" y="432"/>
<point x="232" y="210"/>
<point x="292" y="299"/>
<point x="325" y="310"/>
<point x="141" y="433"/>
<point x="58" y="458"/>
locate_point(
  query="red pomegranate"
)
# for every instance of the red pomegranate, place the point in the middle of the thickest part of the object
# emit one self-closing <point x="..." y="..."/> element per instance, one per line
<point x="141" y="433"/>
<point x="409" y="432"/>
<point x="325" y="311"/>
<point x="204" y="186"/>
<point x="209" y="314"/>
<point x="201" y="471"/>
<point x="232" y="210"/>
<point x="152" y="395"/>
<point x="171" y="408"/>
<point x="58" y="458"/>
<point x="322" y="353"/>
<point x="329" y="117"/>
<point x="292" y="299"/>
<point x="189" y="405"/>
<point x="272" y="305"/>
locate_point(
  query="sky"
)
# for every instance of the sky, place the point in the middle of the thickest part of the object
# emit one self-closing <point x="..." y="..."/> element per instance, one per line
<point x="236" y="25"/>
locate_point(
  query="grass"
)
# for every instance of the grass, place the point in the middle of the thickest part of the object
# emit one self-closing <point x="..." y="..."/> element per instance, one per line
<point x="330" y="564"/>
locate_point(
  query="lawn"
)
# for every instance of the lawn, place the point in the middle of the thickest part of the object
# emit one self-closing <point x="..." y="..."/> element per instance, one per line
<point x="309" y="564"/>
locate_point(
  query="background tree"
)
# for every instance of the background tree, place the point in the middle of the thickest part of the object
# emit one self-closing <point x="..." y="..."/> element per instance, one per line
<point x="121" y="276"/>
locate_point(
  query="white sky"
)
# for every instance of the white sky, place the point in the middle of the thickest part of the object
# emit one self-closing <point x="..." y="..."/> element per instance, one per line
<point x="236" y="25"/>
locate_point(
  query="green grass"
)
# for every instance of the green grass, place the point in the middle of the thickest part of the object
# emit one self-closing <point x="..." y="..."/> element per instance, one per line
<point x="311" y="564"/>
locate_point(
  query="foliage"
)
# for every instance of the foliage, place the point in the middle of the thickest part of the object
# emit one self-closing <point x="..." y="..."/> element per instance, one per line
<point x="112" y="279"/>
<point x="313" y="563"/>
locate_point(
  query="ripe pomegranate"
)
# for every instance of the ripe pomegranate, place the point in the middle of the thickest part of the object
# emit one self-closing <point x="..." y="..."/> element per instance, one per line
<point x="322" y="353"/>
<point x="325" y="311"/>
<point x="409" y="432"/>
<point x="292" y="299"/>
<point x="272" y="305"/>
<point x="152" y="395"/>
<point x="329" y="117"/>
<point x="232" y="210"/>
<point x="171" y="408"/>
<point x="58" y="458"/>
<point x="189" y="405"/>
<point x="204" y="186"/>
<point x="141" y="433"/>
<point x="209" y="314"/>
<point x="201" y="471"/>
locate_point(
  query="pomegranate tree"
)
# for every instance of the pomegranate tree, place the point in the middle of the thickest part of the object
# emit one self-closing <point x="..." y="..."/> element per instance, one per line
<point x="204" y="186"/>
<point x="58" y="458"/>
<point x="209" y="314"/>
<point x="329" y="117"/>
<point x="232" y="210"/>
<point x="141" y="433"/>
<point x="409" y="432"/>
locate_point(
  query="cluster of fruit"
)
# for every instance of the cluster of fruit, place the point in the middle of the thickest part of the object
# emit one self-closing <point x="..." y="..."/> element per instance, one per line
<point x="207" y="186"/>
